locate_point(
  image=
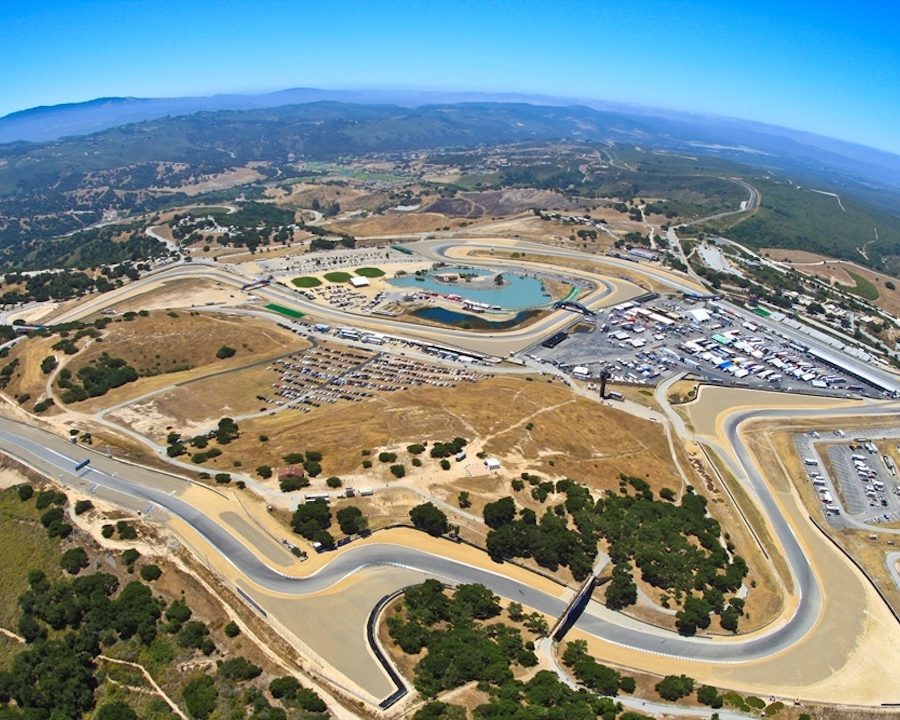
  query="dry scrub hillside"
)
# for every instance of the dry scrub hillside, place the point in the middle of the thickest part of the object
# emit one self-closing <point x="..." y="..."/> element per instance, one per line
<point x="531" y="425"/>
<point x="170" y="347"/>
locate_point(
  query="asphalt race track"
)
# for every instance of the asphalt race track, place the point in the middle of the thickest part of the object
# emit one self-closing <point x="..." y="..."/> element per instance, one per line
<point x="57" y="457"/>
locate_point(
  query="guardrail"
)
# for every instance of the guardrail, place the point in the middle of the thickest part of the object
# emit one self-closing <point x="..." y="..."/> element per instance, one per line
<point x="372" y="637"/>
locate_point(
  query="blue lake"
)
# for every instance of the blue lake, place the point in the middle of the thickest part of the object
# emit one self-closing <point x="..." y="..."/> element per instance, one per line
<point x="475" y="322"/>
<point x="519" y="292"/>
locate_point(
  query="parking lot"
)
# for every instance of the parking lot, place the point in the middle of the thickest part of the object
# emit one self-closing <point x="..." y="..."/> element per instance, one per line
<point x="856" y="480"/>
<point x="644" y="343"/>
<point x="326" y="374"/>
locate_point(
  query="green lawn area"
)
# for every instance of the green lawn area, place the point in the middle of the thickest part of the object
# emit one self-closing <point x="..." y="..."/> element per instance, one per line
<point x="370" y="272"/>
<point x="25" y="547"/>
<point x="306" y="281"/>
<point x="863" y="288"/>
<point x="337" y="277"/>
<point x="284" y="311"/>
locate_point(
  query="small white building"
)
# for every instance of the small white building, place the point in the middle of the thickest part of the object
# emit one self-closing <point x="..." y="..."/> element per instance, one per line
<point x="492" y="464"/>
<point x="580" y="371"/>
<point x="359" y="282"/>
<point x="699" y="314"/>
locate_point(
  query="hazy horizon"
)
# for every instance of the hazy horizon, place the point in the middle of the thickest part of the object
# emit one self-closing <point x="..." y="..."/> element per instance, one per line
<point x="824" y="68"/>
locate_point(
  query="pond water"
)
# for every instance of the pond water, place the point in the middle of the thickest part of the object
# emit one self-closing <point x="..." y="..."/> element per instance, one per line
<point x="474" y="322"/>
<point x="519" y="292"/>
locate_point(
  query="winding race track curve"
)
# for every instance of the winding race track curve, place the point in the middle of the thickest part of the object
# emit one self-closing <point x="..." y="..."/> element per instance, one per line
<point x="54" y="456"/>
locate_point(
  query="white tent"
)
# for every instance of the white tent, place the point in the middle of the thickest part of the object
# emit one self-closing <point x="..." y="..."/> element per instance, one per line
<point x="699" y="314"/>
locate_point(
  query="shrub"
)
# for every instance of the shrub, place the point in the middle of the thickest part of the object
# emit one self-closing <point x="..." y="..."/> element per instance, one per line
<point x="308" y="700"/>
<point x="129" y="557"/>
<point x="225" y="352"/>
<point x="151" y="572"/>
<point x="200" y="696"/>
<point x="232" y="630"/>
<point x="292" y="482"/>
<point x="24" y="491"/>
<point x="284" y="687"/>
<point x="107" y="531"/>
<point x="333" y="482"/>
<point x="264" y="471"/>
<point x="675" y="687"/>
<point x="366" y="464"/>
<point x="178" y="613"/>
<point x="239" y="668"/>
<point x="115" y="710"/>
<point x="445" y="464"/>
<point x="709" y="696"/>
<point x="223" y="478"/>
<point x="126" y="531"/>
<point x="398" y="471"/>
<point x="387" y="457"/>
<point x="74" y="560"/>
<point x="192" y="634"/>
<point x="44" y="404"/>
<point x="415" y="449"/>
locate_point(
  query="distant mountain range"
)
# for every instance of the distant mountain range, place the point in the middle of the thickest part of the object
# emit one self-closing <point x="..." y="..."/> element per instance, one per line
<point x="749" y="142"/>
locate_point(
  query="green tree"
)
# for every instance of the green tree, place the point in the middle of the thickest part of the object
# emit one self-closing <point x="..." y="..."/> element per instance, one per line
<point x="709" y="696"/>
<point x="284" y="687"/>
<point x="621" y="590"/>
<point x="74" y="560"/>
<point x="115" y="710"/>
<point x="82" y="506"/>
<point x="310" y="701"/>
<point x="238" y="668"/>
<point x="200" y="696"/>
<point x="693" y="614"/>
<point x="310" y="518"/>
<point x="501" y="512"/>
<point x="151" y="572"/>
<point x="232" y="629"/>
<point x="351" y="520"/>
<point x="429" y="518"/>
<point x="129" y="557"/>
<point x="675" y="687"/>
<point x="477" y="601"/>
<point x="49" y="364"/>
<point x="264" y="471"/>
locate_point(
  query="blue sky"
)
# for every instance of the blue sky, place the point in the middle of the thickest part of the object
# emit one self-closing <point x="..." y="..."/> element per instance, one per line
<point x="826" y="67"/>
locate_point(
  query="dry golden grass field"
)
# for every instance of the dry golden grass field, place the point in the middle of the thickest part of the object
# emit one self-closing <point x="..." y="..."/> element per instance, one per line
<point x="531" y="425"/>
<point x="400" y="223"/>
<point x="172" y="347"/>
